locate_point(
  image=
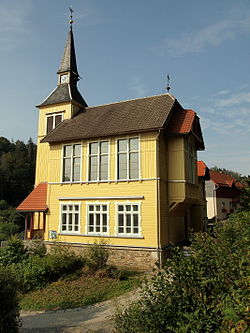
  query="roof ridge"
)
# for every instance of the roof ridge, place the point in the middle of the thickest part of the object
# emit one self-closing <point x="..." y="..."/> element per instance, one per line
<point x="129" y="100"/>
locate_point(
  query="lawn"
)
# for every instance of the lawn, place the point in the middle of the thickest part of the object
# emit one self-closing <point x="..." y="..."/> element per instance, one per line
<point x="78" y="290"/>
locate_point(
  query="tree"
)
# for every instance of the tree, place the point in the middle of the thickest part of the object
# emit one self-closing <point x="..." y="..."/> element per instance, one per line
<point x="205" y="291"/>
<point x="245" y="195"/>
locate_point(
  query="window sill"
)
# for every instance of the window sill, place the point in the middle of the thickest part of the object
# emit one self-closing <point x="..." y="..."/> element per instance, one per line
<point x="100" y="235"/>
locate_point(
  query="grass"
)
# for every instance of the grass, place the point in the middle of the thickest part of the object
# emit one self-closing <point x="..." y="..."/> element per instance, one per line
<point x="78" y="290"/>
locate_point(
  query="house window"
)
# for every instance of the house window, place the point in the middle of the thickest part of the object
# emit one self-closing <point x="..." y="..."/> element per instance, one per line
<point x="191" y="161"/>
<point x="70" y="218"/>
<point x="53" y="120"/>
<point x="128" y="219"/>
<point x="97" y="219"/>
<point x="128" y="158"/>
<point x="98" y="160"/>
<point x="71" y="163"/>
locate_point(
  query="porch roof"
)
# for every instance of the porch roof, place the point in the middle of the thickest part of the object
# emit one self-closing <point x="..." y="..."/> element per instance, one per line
<point x="36" y="200"/>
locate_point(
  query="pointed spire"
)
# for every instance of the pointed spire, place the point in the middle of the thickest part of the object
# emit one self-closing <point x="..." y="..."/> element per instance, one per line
<point x="68" y="63"/>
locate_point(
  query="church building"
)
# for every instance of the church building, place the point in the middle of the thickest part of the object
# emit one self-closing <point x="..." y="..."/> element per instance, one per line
<point x="123" y="174"/>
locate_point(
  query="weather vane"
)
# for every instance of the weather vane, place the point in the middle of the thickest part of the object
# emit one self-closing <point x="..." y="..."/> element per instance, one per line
<point x="71" y="15"/>
<point x="168" y="80"/>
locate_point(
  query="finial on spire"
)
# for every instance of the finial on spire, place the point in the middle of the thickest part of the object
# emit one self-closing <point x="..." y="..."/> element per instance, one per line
<point x="71" y="16"/>
<point x="168" y="80"/>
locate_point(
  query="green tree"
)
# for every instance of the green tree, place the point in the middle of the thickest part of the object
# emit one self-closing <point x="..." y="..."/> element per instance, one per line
<point x="245" y="195"/>
<point x="205" y="291"/>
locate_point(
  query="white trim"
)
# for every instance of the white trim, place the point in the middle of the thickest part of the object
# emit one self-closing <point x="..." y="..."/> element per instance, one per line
<point x="96" y="234"/>
<point x="130" y="235"/>
<point x="71" y="163"/>
<point x="60" y="231"/>
<point x="99" y="141"/>
<point x="53" y="114"/>
<point x="132" y="197"/>
<point x="127" y="152"/>
<point x="106" y="181"/>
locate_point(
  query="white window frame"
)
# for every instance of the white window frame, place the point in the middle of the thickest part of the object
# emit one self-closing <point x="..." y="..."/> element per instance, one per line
<point x="54" y="114"/>
<point x="71" y="163"/>
<point x="128" y="152"/>
<point x="68" y="211"/>
<point x="124" y="213"/>
<point x="99" y="154"/>
<point x="95" y="211"/>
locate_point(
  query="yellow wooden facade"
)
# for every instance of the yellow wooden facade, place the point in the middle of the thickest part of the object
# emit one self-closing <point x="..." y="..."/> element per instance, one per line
<point x="163" y="192"/>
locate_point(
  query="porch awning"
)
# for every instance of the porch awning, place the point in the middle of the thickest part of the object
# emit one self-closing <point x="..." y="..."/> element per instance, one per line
<point x="36" y="201"/>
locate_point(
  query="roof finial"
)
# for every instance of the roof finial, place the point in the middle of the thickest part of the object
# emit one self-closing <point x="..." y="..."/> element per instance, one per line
<point x="71" y="16"/>
<point x="168" y="80"/>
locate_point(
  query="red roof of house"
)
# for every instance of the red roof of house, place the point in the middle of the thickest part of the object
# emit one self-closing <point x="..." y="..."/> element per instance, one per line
<point x="183" y="123"/>
<point x="201" y="168"/>
<point x="222" y="179"/>
<point x="36" y="201"/>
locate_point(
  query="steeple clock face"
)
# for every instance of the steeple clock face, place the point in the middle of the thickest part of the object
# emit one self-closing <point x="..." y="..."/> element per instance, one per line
<point x="64" y="78"/>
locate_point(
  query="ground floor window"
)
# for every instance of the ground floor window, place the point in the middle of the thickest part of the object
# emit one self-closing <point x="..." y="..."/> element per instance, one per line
<point x="70" y="218"/>
<point x="97" y="218"/>
<point x="128" y="219"/>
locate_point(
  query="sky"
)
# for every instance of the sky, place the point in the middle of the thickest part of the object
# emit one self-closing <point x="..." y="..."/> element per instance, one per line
<point x="125" y="49"/>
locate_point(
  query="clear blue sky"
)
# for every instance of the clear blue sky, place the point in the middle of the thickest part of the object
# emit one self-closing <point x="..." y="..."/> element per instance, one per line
<point x="125" y="50"/>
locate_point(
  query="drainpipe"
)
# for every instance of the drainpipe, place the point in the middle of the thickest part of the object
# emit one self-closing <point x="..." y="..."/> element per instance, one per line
<point x="215" y="203"/>
<point x="158" y="200"/>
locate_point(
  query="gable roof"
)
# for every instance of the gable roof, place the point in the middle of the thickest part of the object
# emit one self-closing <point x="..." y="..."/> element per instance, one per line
<point x="36" y="201"/>
<point x="185" y="122"/>
<point x="202" y="170"/>
<point x="182" y="123"/>
<point x="221" y="179"/>
<point x="133" y="116"/>
<point x="64" y="93"/>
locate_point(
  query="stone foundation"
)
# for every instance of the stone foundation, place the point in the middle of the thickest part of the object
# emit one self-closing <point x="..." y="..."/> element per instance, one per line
<point x="142" y="259"/>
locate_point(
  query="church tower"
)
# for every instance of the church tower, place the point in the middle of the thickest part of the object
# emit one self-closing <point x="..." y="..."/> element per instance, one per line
<point x="63" y="103"/>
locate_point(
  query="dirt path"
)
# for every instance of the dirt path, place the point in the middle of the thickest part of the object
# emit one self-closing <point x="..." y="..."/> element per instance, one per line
<point x="90" y="319"/>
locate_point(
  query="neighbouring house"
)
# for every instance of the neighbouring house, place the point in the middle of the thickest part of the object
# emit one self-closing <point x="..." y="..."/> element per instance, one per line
<point x="123" y="173"/>
<point x="203" y="177"/>
<point x="223" y="194"/>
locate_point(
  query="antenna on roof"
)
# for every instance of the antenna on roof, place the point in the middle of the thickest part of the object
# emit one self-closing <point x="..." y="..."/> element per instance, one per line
<point x="71" y="16"/>
<point x="168" y="85"/>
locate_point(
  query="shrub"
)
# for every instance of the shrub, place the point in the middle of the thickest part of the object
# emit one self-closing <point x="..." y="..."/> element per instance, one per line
<point x="13" y="252"/>
<point x="35" y="272"/>
<point x="9" y="310"/>
<point x="203" y="292"/>
<point x="97" y="256"/>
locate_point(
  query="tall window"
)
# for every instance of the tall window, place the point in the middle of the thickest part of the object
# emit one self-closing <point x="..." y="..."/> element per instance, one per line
<point x="98" y="160"/>
<point x="71" y="163"/>
<point x="70" y="218"/>
<point x="191" y="161"/>
<point x="128" y="219"/>
<point x="97" y="219"/>
<point x="53" y="120"/>
<point x="128" y="158"/>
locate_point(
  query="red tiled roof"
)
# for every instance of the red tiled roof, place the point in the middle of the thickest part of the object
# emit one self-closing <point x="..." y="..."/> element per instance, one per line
<point x="36" y="200"/>
<point x="222" y="179"/>
<point x="182" y="123"/>
<point x="240" y="185"/>
<point x="202" y="169"/>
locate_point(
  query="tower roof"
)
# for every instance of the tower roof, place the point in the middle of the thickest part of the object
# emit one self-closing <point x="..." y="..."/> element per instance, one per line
<point x="68" y="63"/>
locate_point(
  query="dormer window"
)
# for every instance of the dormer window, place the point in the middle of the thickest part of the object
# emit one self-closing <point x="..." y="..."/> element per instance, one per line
<point x="53" y="119"/>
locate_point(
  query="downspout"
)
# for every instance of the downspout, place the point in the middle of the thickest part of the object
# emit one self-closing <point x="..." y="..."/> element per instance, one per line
<point x="215" y="203"/>
<point x="158" y="199"/>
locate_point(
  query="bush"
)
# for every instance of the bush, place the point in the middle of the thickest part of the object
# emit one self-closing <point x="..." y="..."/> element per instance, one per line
<point x="97" y="256"/>
<point x="203" y="292"/>
<point x="36" y="271"/>
<point x="13" y="252"/>
<point x="9" y="310"/>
